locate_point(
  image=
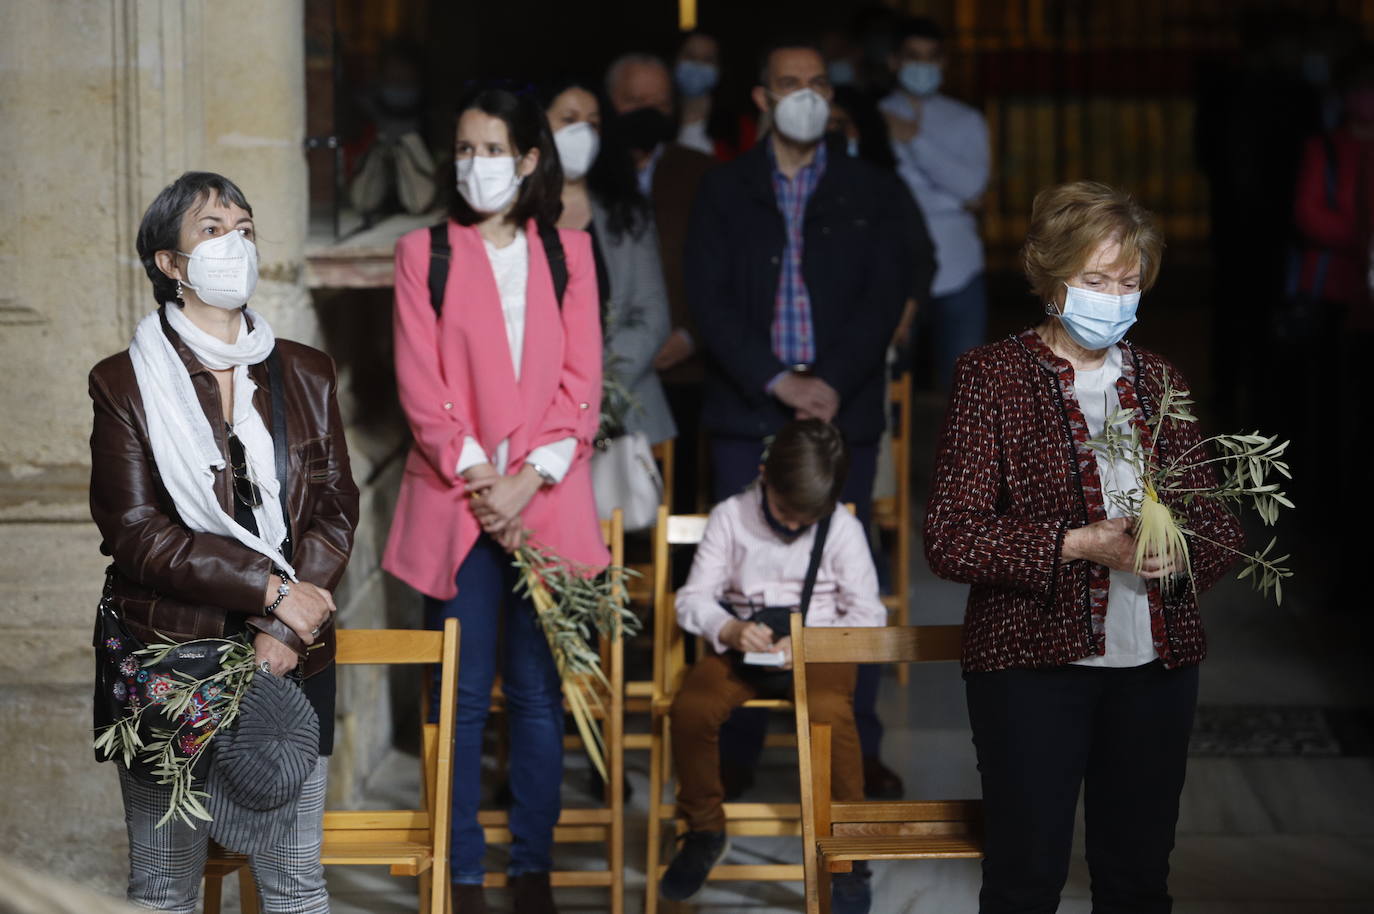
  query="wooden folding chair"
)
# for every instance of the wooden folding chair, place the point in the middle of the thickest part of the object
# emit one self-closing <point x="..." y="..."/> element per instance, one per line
<point x="664" y="453"/>
<point x="835" y="834"/>
<point x="605" y="824"/>
<point x="413" y="842"/>
<point x="892" y="513"/>
<point x="669" y="668"/>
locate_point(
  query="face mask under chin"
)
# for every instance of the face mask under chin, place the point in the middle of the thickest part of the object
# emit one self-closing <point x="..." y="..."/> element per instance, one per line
<point x="783" y="532"/>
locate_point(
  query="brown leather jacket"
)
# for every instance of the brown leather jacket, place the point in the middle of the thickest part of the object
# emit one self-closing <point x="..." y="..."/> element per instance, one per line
<point x="185" y="585"/>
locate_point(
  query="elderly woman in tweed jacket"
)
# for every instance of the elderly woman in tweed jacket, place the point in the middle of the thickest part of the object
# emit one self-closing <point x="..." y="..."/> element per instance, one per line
<point x="1078" y="670"/>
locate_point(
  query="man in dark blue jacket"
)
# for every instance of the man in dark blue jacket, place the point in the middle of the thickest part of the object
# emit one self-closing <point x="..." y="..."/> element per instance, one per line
<point x="799" y="260"/>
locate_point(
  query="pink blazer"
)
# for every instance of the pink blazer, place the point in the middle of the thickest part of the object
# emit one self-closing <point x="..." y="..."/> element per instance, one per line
<point x="455" y="378"/>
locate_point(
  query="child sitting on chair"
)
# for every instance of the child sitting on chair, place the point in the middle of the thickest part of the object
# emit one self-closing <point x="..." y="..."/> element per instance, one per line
<point x="756" y="563"/>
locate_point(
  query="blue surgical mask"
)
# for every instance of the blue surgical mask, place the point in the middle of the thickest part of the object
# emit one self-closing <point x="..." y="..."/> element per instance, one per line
<point x="694" y="78"/>
<point x="841" y="72"/>
<point x="920" y="77"/>
<point x="1097" y="320"/>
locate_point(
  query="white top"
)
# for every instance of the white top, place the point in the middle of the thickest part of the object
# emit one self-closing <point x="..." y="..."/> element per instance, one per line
<point x="510" y="265"/>
<point x="946" y="166"/>
<point x="742" y="561"/>
<point x="694" y="136"/>
<point x="1129" y="641"/>
<point x="645" y="174"/>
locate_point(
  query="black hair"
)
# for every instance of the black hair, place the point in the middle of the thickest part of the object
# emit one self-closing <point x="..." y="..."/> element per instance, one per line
<point x="540" y="196"/>
<point x="160" y="229"/>
<point x="612" y="179"/>
<point x="918" y="27"/>
<point x="785" y="43"/>
<point x="875" y="144"/>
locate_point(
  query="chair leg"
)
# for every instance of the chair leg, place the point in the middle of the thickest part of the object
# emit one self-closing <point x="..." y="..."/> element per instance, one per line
<point x="426" y="892"/>
<point x="248" y="891"/>
<point x="654" y="853"/>
<point x="214" y="889"/>
<point x="822" y="890"/>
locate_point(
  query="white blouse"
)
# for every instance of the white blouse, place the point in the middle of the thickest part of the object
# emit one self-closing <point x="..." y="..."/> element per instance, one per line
<point x="510" y="266"/>
<point x="1129" y="640"/>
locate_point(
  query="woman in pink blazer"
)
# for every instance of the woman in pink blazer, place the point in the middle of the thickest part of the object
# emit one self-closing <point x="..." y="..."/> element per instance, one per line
<point x="501" y="384"/>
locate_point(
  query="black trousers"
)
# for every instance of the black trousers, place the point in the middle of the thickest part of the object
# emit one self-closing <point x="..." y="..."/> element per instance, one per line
<point x="1039" y="734"/>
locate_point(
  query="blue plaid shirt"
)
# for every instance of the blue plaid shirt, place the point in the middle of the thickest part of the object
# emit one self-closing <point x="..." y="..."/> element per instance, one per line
<point x="792" y="334"/>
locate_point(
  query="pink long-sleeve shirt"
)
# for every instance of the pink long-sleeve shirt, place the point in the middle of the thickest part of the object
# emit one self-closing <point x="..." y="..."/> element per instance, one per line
<point x="743" y="562"/>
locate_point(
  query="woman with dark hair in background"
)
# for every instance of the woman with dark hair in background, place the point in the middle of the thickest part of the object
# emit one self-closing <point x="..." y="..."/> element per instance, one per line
<point x="601" y="196"/>
<point x="206" y="537"/>
<point x="500" y="379"/>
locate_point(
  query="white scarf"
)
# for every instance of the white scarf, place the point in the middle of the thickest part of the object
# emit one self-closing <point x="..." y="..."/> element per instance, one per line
<point x="184" y="446"/>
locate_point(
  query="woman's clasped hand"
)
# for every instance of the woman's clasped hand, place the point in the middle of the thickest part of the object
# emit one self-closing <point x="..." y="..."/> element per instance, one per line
<point x="1111" y="543"/>
<point x="497" y="501"/>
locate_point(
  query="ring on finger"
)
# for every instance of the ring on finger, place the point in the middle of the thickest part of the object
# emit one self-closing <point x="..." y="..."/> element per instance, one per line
<point x="314" y="631"/>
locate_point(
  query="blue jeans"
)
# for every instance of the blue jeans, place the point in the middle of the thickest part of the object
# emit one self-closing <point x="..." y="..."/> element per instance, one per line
<point x="959" y="322"/>
<point x="534" y="705"/>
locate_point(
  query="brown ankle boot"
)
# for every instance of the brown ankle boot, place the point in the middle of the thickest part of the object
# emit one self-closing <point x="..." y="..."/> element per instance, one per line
<point x="532" y="894"/>
<point x="469" y="899"/>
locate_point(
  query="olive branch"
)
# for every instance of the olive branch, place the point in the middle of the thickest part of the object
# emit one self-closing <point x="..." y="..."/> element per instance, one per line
<point x="1246" y="466"/>
<point x="173" y="753"/>
<point x="571" y="601"/>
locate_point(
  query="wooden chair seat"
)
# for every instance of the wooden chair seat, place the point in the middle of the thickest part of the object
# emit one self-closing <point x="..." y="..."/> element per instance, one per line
<point x="898" y="847"/>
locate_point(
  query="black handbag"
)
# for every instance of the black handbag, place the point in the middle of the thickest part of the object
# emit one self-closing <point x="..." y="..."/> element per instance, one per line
<point x="768" y="681"/>
<point x="126" y="681"/>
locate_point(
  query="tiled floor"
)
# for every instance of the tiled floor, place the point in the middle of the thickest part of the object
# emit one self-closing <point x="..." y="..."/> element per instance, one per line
<point x="1259" y="835"/>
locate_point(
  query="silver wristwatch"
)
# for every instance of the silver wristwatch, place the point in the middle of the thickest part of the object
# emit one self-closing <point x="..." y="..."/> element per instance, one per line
<point x="543" y="472"/>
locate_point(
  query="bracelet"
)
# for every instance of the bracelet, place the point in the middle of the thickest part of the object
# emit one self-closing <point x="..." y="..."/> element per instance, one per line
<point x="283" y="591"/>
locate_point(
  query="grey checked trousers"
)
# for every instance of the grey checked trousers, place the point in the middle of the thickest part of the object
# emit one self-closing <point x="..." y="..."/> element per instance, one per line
<point x="166" y="864"/>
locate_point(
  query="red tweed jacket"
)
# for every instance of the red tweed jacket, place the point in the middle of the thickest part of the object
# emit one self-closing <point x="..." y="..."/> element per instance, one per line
<point x="1014" y="473"/>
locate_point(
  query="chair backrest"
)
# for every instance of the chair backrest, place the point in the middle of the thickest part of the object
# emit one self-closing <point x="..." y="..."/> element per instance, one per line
<point x="669" y="642"/>
<point x="888" y="644"/>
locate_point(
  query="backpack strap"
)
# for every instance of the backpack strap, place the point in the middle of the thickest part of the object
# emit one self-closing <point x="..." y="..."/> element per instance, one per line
<point x="439" y="253"/>
<point x="814" y="565"/>
<point x="558" y="262"/>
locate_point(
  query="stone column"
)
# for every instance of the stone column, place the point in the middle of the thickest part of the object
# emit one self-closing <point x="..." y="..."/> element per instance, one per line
<point x="103" y="105"/>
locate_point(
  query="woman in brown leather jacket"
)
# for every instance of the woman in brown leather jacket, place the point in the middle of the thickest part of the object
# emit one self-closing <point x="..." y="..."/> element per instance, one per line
<point x="206" y="540"/>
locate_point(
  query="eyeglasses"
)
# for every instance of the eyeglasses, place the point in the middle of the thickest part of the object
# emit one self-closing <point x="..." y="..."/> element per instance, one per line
<point x="245" y="489"/>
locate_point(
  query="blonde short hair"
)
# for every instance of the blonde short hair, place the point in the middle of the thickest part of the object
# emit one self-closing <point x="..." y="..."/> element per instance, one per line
<point x="1069" y="221"/>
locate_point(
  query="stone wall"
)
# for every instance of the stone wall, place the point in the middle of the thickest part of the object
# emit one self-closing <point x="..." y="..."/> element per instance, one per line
<point x="104" y="104"/>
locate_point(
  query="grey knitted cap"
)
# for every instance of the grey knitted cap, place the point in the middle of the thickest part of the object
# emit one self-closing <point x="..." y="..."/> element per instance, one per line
<point x="260" y="764"/>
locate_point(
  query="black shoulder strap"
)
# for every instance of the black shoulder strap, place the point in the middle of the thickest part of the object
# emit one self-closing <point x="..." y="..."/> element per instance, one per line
<point x="439" y="252"/>
<point x="276" y="381"/>
<point x="558" y="263"/>
<point x="814" y="568"/>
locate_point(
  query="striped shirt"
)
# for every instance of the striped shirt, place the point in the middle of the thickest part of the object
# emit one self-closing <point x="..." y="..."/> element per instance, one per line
<point x="792" y="334"/>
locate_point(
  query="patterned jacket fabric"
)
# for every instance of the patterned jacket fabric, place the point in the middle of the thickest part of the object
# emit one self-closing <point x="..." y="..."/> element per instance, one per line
<point x="1014" y="474"/>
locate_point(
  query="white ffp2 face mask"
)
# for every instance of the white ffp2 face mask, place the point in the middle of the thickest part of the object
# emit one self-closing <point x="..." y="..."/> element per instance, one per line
<point x="801" y="116"/>
<point x="488" y="183"/>
<point x="223" y="271"/>
<point x="577" y="145"/>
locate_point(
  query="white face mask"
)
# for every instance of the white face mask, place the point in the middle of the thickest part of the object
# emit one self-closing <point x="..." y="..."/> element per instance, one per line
<point x="223" y="271"/>
<point x="488" y="183"/>
<point x="801" y="116"/>
<point x="577" y="145"/>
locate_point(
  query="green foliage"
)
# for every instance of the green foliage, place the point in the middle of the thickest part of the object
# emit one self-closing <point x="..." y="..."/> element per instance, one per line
<point x="1245" y="465"/>
<point x="172" y="767"/>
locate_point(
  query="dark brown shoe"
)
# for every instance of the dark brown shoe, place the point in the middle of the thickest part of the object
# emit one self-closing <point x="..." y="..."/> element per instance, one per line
<point x="881" y="782"/>
<point x="531" y="893"/>
<point x="469" y="899"/>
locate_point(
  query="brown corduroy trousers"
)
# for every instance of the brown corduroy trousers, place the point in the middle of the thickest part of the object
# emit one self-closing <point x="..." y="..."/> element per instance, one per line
<point x="710" y="691"/>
